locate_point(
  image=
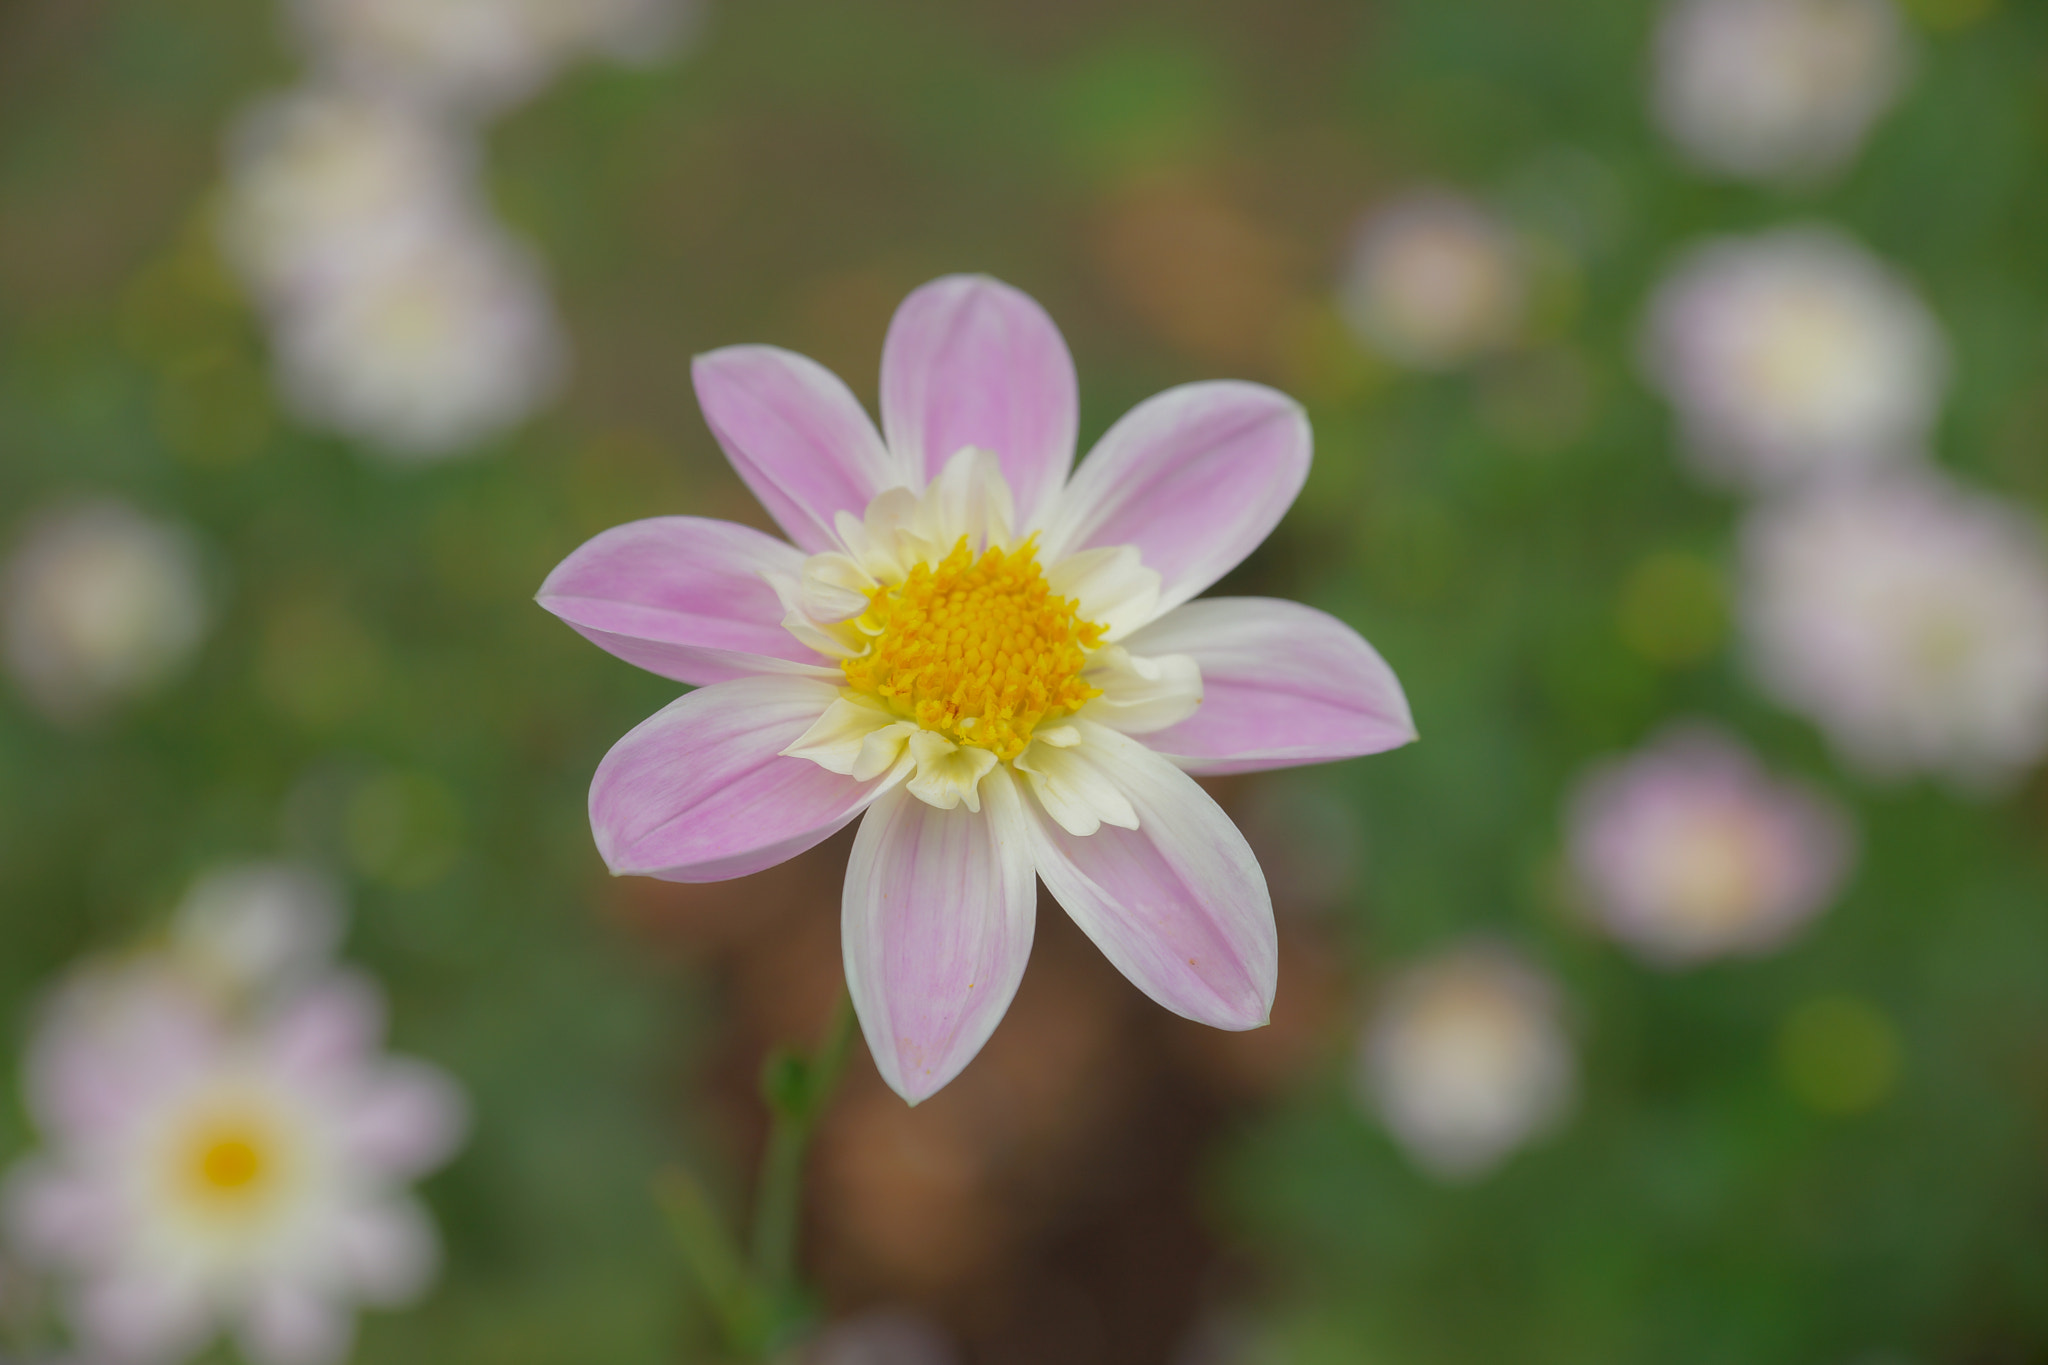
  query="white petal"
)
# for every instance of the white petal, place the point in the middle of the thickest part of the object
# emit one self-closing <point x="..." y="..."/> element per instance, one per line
<point x="1075" y="791"/>
<point x="834" y="587"/>
<point x="854" y="737"/>
<point x="1141" y="693"/>
<point x="947" y="773"/>
<point x="290" y="1324"/>
<point x="833" y="640"/>
<point x="969" y="498"/>
<point x="1111" y="586"/>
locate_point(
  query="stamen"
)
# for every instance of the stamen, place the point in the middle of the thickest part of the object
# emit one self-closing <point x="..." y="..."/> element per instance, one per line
<point x="978" y="649"/>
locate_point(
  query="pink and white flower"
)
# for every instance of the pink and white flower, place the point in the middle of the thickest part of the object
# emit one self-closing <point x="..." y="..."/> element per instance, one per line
<point x="1689" y="850"/>
<point x="1908" y="617"/>
<point x="1777" y="90"/>
<point x="208" y="1170"/>
<point x="998" y="667"/>
<point x="1434" y="281"/>
<point x="1795" y="354"/>
<point x="1467" y="1058"/>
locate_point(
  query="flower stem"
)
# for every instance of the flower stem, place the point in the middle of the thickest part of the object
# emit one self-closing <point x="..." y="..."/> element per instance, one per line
<point x="797" y="1090"/>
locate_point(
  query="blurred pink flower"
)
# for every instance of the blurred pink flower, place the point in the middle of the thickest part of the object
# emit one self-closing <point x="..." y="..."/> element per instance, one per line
<point x="1433" y="281"/>
<point x="205" y="1172"/>
<point x="1908" y="617"/>
<point x="1689" y="850"/>
<point x="964" y="643"/>
<point x="1467" y="1057"/>
<point x="1795" y="354"/>
<point x="1777" y="90"/>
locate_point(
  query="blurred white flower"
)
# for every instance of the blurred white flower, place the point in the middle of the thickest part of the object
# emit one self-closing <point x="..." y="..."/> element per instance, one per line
<point x="202" y="1174"/>
<point x="1908" y="617"/>
<point x="1777" y="90"/>
<point x="1466" y="1058"/>
<point x="1433" y="281"/>
<point x="258" y="928"/>
<point x="314" y="174"/>
<point x="1794" y="354"/>
<point x="477" y="54"/>
<point x="1689" y="850"/>
<point x="101" y="603"/>
<point x="422" y="344"/>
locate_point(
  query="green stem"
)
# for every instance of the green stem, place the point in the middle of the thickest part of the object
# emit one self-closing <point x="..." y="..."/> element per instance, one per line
<point x="797" y="1091"/>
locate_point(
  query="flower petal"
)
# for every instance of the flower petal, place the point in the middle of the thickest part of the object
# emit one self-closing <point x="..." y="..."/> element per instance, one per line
<point x="287" y="1323"/>
<point x="1282" y="684"/>
<point x="1194" y="477"/>
<point x="936" y="926"/>
<point x="970" y="361"/>
<point x="1178" y="904"/>
<point x="797" y="435"/>
<point x="700" y="791"/>
<point x="684" y="597"/>
<point x="407" y="1118"/>
<point x="388" y="1248"/>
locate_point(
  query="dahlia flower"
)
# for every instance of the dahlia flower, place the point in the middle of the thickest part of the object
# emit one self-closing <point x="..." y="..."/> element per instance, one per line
<point x="99" y="603"/>
<point x="1908" y="617"/>
<point x="208" y="1169"/>
<point x="1689" y="850"/>
<point x="1467" y="1058"/>
<point x="997" y="667"/>
<point x="1795" y="354"/>
<point x="1777" y="90"/>
<point x="1433" y="281"/>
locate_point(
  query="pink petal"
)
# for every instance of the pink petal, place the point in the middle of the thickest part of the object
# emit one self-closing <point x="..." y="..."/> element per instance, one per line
<point x="1194" y="477"/>
<point x="1282" y="684"/>
<point x="699" y="791"/>
<point x="971" y="361"/>
<point x="138" y="1315"/>
<point x="406" y="1118"/>
<point x="936" y="926"/>
<point x="1178" y="904"/>
<point x="797" y="435"/>
<point x="681" y="596"/>
<point x="389" y="1250"/>
<point x="292" y="1324"/>
<point x="326" y="1032"/>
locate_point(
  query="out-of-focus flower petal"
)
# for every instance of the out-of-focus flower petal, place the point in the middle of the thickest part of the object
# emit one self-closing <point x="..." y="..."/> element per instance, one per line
<point x="389" y="1250"/>
<point x="407" y="1119"/>
<point x="700" y="791"/>
<point x="970" y="361"/>
<point x="58" y="1215"/>
<point x="1178" y="904"/>
<point x="141" y="1316"/>
<point x="937" y="922"/>
<point x="796" y="435"/>
<point x="683" y="597"/>
<point x="329" y="1029"/>
<point x="1282" y="685"/>
<point x="293" y="1324"/>
<point x="1194" y="477"/>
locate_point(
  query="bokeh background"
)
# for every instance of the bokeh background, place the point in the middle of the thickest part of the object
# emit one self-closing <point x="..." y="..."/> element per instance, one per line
<point x="1833" y="1152"/>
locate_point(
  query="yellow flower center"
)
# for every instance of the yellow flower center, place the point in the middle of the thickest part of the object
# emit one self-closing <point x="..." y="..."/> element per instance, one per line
<point x="227" y="1165"/>
<point x="978" y="649"/>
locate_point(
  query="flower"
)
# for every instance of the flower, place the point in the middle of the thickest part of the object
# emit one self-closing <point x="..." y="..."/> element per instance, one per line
<point x="313" y="173"/>
<point x="253" y="927"/>
<point x="1777" y="90"/>
<point x="998" y="667"/>
<point x="1689" y="850"/>
<point x="1433" y="281"/>
<point x="1466" y="1058"/>
<point x="207" y="1170"/>
<point x="476" y="54"/>
<point x="1908" y="617"/>
<point x="1793" y="354"/>
<point x="422" y="343"/>
<point x="101" y="603"/>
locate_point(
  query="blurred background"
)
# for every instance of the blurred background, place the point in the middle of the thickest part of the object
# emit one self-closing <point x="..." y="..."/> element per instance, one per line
<point x="1679" y="376"/>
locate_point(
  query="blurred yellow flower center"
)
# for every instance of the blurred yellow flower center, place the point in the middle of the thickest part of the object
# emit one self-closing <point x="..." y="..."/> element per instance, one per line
<point x="978" y="649"/>
<point x="228" y="1164"/>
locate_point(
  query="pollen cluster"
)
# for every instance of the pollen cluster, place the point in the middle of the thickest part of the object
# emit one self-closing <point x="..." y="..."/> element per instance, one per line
<point x="978" y="649"/>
